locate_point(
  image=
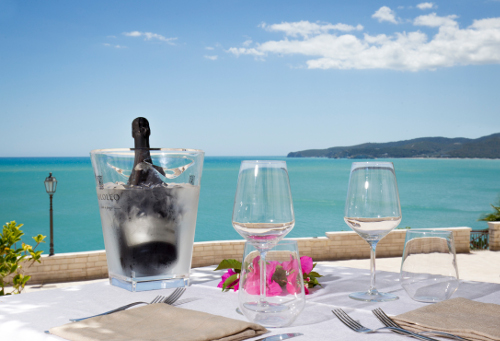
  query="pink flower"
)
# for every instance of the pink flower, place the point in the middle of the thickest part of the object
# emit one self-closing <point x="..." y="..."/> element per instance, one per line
<point x="292" y="265"/>
<point x="273" y="289"/>
<point x="307" y="264"/>
<point x="270" y="269"/>
<point x="252" y="283"/>
<point x="279" y="276"/>
<point x="291" y="283"/>
<point x="228" y="274"/>
<point x="252" y="286"/>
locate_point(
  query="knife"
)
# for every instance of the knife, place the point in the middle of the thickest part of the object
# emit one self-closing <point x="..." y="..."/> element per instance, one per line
<point x="279" y="337"/>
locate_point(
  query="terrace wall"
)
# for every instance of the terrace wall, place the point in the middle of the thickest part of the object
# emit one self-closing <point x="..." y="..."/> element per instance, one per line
<point x="494" y="235"/>
<point x="80" y="266"/>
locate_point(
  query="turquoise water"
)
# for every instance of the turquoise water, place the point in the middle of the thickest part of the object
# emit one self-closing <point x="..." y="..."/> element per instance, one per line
<point x="433" y="193"/>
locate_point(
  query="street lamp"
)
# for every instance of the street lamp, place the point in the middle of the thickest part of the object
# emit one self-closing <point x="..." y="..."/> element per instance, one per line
<point x="50" y="187"/>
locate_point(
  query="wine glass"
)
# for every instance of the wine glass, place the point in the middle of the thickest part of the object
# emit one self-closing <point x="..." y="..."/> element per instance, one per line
<point x="263" y="214"/>
<point x="372" y="210"/>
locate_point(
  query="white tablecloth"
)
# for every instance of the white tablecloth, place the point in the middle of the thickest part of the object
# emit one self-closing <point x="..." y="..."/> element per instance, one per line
<point x="27" y="316"/>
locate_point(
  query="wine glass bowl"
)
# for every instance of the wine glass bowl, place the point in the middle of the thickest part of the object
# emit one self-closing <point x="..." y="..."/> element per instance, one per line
<point x="263" y="209"/>
<point x="372" y="210"/>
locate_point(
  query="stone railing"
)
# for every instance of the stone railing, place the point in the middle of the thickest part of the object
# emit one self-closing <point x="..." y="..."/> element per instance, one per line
<point x="80" y="266"/>
<point x="68" y="267"/>
<point x="494" y="232"/>
<point x="336" y="246"/>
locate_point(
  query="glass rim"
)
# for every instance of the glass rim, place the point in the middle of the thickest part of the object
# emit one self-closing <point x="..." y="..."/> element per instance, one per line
<point x="152" y="150"/>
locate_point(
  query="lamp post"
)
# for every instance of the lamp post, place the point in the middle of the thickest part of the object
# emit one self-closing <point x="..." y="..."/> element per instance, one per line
<point x="50" y="187"/>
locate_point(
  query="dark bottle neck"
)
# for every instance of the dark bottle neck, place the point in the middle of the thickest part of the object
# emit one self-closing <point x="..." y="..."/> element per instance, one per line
<point x="141" y="148"/>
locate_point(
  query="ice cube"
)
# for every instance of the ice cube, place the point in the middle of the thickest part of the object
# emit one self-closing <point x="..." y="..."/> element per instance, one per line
<point x="149" y="176"/>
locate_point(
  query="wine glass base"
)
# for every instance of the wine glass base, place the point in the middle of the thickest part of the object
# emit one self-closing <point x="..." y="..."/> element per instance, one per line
<point x="375" y="296"/>
<point x="265" y="307"/>
<point x="269" y="315"/>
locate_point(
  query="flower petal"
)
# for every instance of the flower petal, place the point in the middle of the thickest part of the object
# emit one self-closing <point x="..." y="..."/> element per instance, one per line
<point x="291" y="285"/>
<point x="293" y="264"/>
<point x="307" y="264"/>
<point x="273" y="289"/>
<point x="270" y="269"/>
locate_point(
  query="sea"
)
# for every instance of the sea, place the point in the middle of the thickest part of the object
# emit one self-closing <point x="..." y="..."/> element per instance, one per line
<point x="434" y="193"/>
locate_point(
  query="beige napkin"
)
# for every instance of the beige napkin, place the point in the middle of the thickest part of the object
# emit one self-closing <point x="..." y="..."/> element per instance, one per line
<point x="469" y="319"/>
<point x="159" y="322"/>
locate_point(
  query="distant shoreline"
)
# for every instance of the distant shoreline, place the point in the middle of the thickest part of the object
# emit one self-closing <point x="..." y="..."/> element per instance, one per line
<point x="486" y="147"/>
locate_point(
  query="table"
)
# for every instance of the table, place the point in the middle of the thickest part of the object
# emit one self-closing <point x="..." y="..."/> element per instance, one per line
<point x="27" y="316"/>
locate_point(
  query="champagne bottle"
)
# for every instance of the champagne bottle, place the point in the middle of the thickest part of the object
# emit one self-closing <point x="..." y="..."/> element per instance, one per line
<point x="144" y="173"/>
<point x="147" y="244"/>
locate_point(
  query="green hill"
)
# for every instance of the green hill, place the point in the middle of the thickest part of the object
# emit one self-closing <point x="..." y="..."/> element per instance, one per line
<point x="486" y="147"/>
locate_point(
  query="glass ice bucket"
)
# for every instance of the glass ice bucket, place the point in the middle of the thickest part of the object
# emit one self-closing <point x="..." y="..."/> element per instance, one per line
<point x="148" y="229"/>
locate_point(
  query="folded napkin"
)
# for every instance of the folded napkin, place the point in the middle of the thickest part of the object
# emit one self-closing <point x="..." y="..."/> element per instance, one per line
<point x="159" y="322"/>
<point x="469" y="319"/>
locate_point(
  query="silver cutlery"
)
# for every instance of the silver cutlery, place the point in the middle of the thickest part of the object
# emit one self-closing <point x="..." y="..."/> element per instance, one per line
<point x="174" y="296"/>
<point x="158" y="299"/>
<point x="184" y="301"/>
<point x="279" y="337"/>
<point x="387" y="321"/>
<point x="357" y="327"/>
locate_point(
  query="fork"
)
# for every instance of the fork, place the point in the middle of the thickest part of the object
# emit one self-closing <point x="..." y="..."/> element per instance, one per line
<point x="174" y="296"/>
<point x="158" y="299"/>
<point x="357" y="327"/>
<point x="387" y="321"/>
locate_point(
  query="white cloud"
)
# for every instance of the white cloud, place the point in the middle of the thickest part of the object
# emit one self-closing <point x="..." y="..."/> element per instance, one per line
<point x="433" y="20"/>
<point x="209" y="48"/>
<point x="150" y="36"/>
<point x="211" y="57"/>
<point x="115" y="46"/>
<point x="132" y="34"/>
<point x="476" y="44"/>
<point x="384" y="13"/>
<point x="247" y="42"/>
<point x="306" y="28"/>
<point x="426" y="5"/>
<point x="237" y="51"/>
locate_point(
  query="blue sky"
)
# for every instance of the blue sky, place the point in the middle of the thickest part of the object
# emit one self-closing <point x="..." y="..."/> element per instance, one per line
<point x="245" y="77"/>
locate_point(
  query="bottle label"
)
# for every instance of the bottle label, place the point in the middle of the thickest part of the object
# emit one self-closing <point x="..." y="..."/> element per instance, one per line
<point x="108" y="200"/>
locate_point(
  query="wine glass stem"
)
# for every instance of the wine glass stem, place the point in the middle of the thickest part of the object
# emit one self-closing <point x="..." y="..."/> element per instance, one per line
<point x="263" y="278"/>
<point x="373" y="247"/>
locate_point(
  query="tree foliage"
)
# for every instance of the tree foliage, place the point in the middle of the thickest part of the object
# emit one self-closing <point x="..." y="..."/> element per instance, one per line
<point x="12" y="258"/>
<point x="495" y="216"/>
